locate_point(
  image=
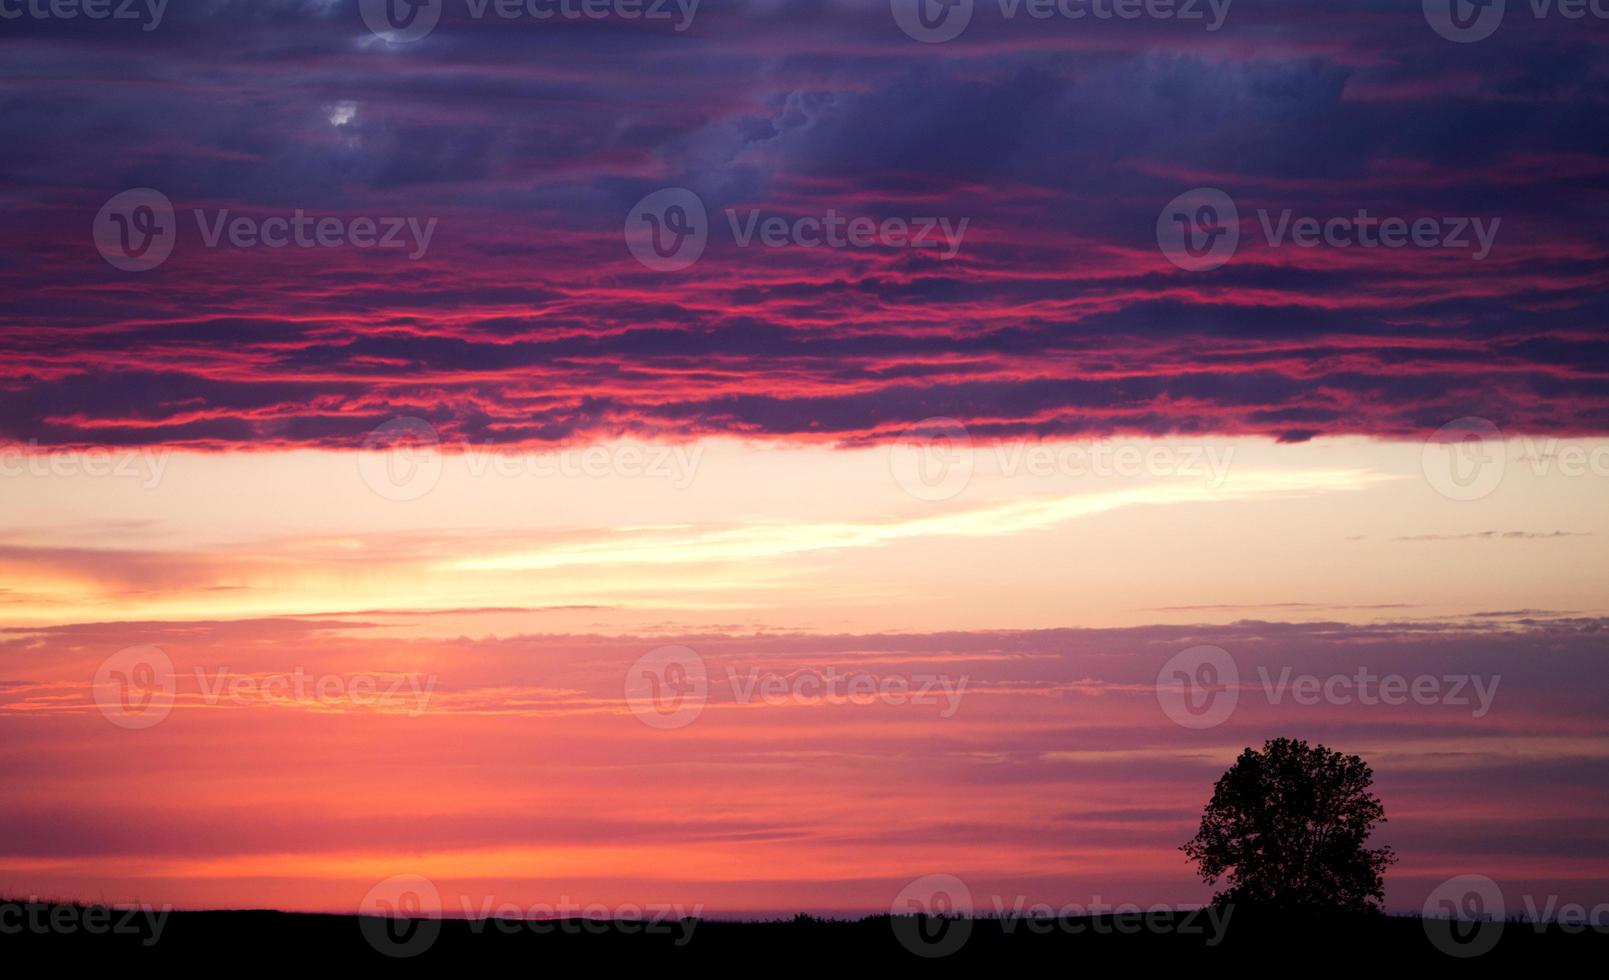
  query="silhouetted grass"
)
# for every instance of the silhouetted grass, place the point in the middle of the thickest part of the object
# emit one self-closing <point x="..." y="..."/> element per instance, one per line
<point x="1068" y="946"/>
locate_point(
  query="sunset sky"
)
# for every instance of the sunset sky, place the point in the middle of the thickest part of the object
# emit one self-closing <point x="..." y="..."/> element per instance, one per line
<point x="486" y="485"/>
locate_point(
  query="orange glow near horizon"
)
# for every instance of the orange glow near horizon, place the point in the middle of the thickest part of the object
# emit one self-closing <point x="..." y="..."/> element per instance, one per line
<point x="480" y="645"/>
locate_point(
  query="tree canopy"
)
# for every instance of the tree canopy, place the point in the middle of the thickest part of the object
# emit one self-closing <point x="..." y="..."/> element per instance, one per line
<point x="1287" y="829"/>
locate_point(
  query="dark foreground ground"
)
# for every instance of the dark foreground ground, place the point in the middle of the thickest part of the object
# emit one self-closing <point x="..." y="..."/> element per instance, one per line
<point x="230" y="940"/>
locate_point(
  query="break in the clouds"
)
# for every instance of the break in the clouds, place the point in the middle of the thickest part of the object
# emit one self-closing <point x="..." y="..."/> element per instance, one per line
<point x="503" y="157"/>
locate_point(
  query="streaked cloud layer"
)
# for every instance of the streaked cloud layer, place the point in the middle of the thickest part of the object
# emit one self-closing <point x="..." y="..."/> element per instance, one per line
<point x="528" y="322"/>
<point x="1133" y="460"/>
<point x="738" y="535"/>
<point x="526" y="777"/>
<point x="482" y="645"/>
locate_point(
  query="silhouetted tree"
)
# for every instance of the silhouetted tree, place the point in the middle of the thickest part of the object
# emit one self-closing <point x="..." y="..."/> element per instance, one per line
<point x="1287" y="829"/>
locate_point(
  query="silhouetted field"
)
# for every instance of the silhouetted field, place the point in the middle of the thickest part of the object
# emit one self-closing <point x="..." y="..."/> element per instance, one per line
<point x="226" y="940"/>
